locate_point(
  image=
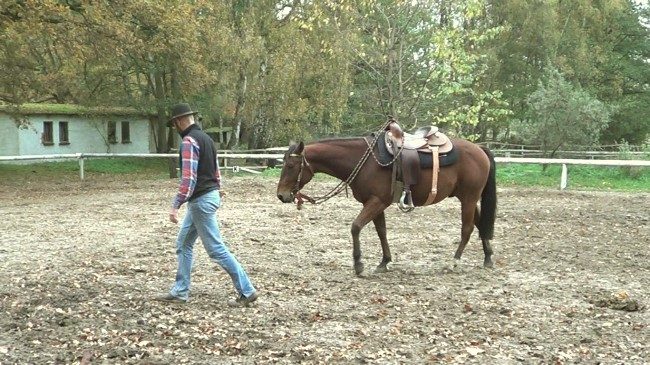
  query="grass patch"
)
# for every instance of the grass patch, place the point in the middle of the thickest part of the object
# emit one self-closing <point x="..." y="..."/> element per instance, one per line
<point x="272" y="173"/>
<point x="144" y="166"/>
<point x="579" y="177"/>
<point x="127" y="166"/>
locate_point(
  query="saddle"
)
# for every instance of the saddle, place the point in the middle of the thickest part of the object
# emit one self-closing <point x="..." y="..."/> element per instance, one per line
<point x="409" y="145"/>
<point x="421" y="140"/>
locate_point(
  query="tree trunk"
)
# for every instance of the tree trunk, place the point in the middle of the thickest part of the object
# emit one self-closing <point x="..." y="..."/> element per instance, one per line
<point x="242" y="83"/>
<point x="156" y="82"/>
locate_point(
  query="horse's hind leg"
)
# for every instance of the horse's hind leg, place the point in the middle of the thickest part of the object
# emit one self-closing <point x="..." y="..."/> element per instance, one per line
<point x="380" y="226"/>
<point x="487" y="248"/>
<point x="467" y="221"/>
<point x="371" y="208"/>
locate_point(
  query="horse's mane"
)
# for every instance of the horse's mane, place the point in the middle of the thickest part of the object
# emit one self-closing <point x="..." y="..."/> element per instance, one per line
<point x="293" y="147"/>
<point x="339" y="139"/>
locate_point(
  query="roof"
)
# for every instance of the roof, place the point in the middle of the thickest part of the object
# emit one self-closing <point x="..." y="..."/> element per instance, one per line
<point x="70" y="109"/>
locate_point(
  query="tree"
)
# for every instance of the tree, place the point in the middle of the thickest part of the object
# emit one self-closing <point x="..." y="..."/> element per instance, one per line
<point x="420" y="62"/>
<point x="599" y="45"/>
<point x="562" y="115"/>
<point x="139" y="54"/>
<point x="293" y="80"/>
<point x="277" y="70"/>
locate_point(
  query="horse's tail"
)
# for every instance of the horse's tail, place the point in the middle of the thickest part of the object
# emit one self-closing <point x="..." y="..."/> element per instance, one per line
<point x="488" y="201"/>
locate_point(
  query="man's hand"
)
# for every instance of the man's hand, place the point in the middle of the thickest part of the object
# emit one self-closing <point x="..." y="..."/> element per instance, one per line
<point x="173" y="215"/>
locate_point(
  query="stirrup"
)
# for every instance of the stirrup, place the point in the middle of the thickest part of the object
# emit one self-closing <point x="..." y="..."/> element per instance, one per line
<point x="406" y="201"/>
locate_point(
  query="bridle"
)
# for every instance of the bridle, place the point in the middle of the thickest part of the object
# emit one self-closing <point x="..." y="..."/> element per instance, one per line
<point x="303" y="164"/>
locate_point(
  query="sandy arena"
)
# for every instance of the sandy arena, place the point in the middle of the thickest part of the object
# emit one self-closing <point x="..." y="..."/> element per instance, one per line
<point x="81" y="261"/>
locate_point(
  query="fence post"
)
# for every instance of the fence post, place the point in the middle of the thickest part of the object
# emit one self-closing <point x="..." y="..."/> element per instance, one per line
<point x="563" y="179"/>
<point x="81" y="166"/>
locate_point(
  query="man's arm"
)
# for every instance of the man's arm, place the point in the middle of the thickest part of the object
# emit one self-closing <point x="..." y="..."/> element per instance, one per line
<point x="217" y="176"/>
<point x="217" y="173"/>
<point x="189" y="165"/>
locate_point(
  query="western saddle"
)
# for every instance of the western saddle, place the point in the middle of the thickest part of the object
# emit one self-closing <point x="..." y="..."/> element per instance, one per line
<point x="408" y="145"/>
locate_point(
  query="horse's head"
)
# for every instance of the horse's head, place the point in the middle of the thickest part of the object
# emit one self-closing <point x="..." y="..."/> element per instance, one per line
<point x="296" y="172"/>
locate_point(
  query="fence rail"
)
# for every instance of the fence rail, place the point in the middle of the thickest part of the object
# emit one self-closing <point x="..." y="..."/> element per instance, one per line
<point x="226" y="155"/>
<point x="568" y="154"/>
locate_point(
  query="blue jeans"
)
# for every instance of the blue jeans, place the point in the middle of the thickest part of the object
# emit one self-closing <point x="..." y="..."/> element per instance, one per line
<point x="201" y="221"/>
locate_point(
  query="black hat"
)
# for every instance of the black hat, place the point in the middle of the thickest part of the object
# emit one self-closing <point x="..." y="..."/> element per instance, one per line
<point x="180" y="110"/>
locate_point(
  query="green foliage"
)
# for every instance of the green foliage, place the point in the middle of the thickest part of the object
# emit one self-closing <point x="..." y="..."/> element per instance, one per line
<point x="599" y="45"/>
<point x="562" y="115"/>
<point x="421" y="62"/>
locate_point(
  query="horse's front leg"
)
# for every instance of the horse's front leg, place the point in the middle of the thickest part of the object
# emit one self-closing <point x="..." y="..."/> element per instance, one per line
<point x="371" y="208"/>
<point x="380" y="226"/>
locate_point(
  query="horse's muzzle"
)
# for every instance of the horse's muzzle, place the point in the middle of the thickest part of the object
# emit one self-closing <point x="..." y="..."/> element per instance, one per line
<point x="286" y="198"/>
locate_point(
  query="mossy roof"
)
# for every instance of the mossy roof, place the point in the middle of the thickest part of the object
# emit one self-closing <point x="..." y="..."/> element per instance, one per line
<point x="70" y="109"/>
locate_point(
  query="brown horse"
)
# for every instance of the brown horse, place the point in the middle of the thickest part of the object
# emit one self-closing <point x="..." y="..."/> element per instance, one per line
<point x="471" y="178"/>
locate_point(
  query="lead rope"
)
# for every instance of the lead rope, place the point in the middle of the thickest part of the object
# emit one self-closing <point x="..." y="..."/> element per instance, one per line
<point x="343" y="185"/>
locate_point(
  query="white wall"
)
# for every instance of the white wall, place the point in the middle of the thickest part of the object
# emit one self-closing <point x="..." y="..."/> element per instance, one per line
<point x="8" y="136"/>
<point x="87" y="135"/>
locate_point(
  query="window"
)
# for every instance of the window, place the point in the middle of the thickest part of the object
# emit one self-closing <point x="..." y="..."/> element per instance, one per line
<point x="47" y="137"/>
<point x="63" y="133"/>
<point x="112" y="132"/>
<point x="126" y="133"/>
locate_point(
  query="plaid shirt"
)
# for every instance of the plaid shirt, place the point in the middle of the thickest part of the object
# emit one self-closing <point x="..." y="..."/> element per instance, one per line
<point x="189" y="165"/>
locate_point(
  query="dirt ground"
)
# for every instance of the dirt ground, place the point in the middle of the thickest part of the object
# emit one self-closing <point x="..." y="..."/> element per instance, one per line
<point x="80" y="262"/>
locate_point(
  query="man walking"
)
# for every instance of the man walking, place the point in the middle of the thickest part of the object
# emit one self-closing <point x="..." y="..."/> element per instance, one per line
<point x="199" y="187"/>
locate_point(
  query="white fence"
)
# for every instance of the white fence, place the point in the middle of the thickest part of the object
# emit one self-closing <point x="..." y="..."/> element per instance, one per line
<point x="227" y="155"/>
<point x="580" y="152"/>
<point x="566" y="161"/>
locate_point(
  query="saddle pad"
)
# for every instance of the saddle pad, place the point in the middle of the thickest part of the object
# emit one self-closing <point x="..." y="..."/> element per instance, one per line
<point x="426" y="159"/>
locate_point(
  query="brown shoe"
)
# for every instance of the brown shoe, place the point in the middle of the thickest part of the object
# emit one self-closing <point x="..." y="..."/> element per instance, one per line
<point x="170" y="299"/>
<point x="243" y="301"/>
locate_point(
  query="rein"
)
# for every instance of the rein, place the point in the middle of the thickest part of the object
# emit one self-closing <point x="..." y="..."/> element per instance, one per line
<point x="343" y="185"/>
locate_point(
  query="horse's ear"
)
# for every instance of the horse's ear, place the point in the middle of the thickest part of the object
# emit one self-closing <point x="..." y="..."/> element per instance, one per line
<point x="300" y="148"/>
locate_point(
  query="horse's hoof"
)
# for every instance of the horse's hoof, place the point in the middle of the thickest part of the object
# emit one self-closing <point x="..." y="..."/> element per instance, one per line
<point x="358" y="268"/>
<point x="488" y="264"/>
<point x="381" y="269"/>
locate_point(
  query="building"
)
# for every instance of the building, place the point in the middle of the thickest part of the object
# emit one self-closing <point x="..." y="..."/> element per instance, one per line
<point x="49" y="129"/>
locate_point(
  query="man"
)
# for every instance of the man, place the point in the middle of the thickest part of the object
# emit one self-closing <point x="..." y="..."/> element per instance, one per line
<point x="199" y="187"/>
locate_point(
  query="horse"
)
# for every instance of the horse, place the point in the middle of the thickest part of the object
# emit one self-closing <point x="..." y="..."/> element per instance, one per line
<point x="470" y="178"/>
